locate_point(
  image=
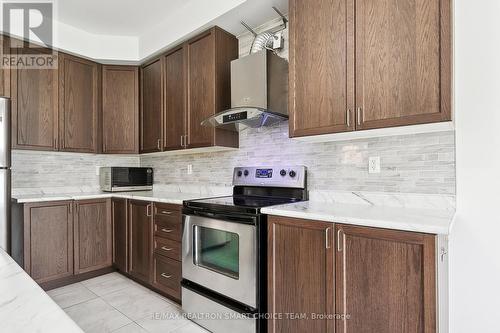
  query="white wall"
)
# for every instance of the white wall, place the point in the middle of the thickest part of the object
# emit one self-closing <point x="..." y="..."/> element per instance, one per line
<point x="475" y="238"/>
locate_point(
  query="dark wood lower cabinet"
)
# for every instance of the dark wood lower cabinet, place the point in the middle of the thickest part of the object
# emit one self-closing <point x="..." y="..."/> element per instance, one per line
<point x="92" y="235"/>
<point x="167" y="275"/>
<point x="140" y="223"/>
<point x="300" y="274"/>
<point x="44" y="239"/>
<point x="167" y="265"/>
<point x="366" y="279"/>
<point x="64" y="242"/>
<point x="120" y="234"/>
<point x="385" y="281"/>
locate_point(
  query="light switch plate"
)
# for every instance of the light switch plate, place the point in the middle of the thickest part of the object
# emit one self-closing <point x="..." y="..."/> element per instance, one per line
<point x="374" y="164"/>
<point x="189" y="169"/>
<point x="97" y="170"/>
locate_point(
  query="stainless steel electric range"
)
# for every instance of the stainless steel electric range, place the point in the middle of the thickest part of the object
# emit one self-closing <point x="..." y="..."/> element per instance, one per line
<point x="224" y="255"/>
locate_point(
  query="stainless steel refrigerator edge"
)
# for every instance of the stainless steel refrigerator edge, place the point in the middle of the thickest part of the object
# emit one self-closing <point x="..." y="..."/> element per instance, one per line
<point x="5" y="174"/>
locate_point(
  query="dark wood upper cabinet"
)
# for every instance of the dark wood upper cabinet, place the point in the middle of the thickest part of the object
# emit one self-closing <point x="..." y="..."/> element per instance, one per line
<point x="175" y="99"/>
<point x="120" y="109"/>
<point x="358" y="64"/>
<point x="385" y="281"/>
<point x="92" y="235"/>
<point x="120" y="234"/>
<point x="79" y="104"/>
<point x="321" y="73"/>
<point x="140" y="239"/>
<point x="151" y="106"/>
<point x="48" y="240"/>
<point x="209" y="88"/>
<point x="403" y="62"/>
<point x="300" y="274"/>
<point x="34" y="104"/>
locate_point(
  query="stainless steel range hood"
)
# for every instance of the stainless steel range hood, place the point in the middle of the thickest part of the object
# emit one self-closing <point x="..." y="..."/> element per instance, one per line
<point x="259" y="93"/>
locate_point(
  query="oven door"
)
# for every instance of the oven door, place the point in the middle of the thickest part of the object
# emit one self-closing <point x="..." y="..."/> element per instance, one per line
<point x="221" y="255"/>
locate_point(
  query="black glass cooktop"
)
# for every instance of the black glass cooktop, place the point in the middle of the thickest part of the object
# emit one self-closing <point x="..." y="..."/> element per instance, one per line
<point x="242" y="203"/>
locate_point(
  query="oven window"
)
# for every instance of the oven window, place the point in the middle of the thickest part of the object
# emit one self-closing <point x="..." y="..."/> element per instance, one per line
<point x="217" y="250"/>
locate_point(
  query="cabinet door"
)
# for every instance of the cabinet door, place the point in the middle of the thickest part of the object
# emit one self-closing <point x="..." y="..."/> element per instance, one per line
<point x="300" y="274"/>
<point x="385" y="281"/>
<point x="93" y="235"/>
<point x="403" y="62"/>
<point x="175" y="99"/>
<point x="34" y="108"/>
<point x="140" y="239"/>
<point x="151" y="107"/>
<point x="120" y="109"/>
<point x="120" y="234"/>
<point x="79" y="82"/>
<point x="201" y="85"/>
<point x="48" y="240"/>
<point x="321" y="91"/>
<point x="4" y="72"/>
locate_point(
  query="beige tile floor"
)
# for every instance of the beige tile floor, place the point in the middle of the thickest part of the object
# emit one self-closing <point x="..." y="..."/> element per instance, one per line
<point x="114" y="303"/>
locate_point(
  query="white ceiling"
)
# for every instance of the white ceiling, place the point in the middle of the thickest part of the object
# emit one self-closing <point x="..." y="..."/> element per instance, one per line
<point x="117" y="17"/>
<point x="130" y="31"/>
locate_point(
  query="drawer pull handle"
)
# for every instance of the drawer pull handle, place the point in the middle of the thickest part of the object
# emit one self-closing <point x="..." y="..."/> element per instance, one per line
<point x="166" y="276"/>
<point x="166" y="248"/>
<point x="166" y="212"/>
<point x="166" y="230"/>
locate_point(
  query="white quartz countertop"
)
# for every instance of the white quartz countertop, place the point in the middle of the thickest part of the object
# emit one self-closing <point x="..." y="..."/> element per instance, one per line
<point x="24" y="306"/>
<point x="434" y="221"/>
<point x="157" y="196"/>
<point x="431" y="221"/>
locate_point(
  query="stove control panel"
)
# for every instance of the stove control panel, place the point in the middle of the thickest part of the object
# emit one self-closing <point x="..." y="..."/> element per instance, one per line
<point x="276" y="176"/>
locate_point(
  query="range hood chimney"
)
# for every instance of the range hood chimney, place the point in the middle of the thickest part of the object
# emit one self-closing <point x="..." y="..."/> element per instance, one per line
<point x="259" y="93"/>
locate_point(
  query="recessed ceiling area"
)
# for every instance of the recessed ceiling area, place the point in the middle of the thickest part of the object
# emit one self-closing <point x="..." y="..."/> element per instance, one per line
<point x="117" y="17"/>
<point x="130" y="31"/>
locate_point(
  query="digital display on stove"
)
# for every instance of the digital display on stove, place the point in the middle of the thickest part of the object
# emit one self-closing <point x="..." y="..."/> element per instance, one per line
<point x="264" y="173"/>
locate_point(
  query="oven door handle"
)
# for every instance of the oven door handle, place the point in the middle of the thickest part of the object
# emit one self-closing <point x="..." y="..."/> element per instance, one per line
<point x="245" y="219"/>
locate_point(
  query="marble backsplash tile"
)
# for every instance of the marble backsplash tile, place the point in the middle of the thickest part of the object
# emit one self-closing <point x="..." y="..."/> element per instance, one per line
<point x="55" y="172"/>
<point x="417" y="163"/>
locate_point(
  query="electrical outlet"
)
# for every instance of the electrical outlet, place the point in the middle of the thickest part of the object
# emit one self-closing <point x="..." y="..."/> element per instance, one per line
<point x="190" y="169"/>
<point x="374" y="164"/>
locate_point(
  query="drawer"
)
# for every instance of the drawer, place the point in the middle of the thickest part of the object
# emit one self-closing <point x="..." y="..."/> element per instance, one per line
<point x="167" y="275"/>
<point x="166" y="210"/>
<point x="167" y="247"/>
<point x="168" y="229"/>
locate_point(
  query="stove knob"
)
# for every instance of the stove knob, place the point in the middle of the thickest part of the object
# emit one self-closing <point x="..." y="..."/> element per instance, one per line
<point x="239" y="173"/>
<point x="245" y="173"/>
<point x="283" y="172"/>
<point x="292" y="173"/>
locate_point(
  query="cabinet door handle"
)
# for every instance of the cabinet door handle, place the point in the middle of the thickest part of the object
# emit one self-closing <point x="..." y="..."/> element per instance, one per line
<point x="166" y="248"/>
<point x="158" y="144"/>
<point x="327" y="238"/>
<point x="348" y="116"/>
<point x="167" y="230"/>
<point x="166" y="212"/>
<point x="185" y="141"/>
<point x="166" y="276"/>
<point x="339" y="248"/>
<point x="148" y="210"/>
<point x="359" y="115"/>
<point x="182" y="140"/>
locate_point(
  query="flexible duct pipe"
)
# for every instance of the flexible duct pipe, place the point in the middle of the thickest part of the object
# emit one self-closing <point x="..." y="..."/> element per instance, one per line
<point x="262" y="41"/>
